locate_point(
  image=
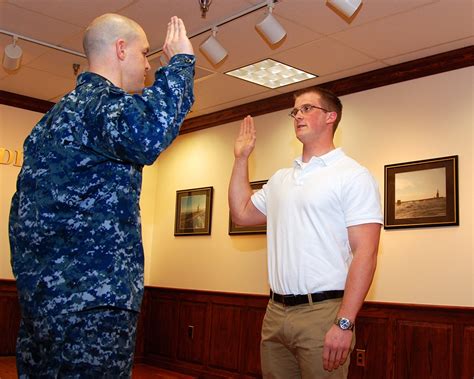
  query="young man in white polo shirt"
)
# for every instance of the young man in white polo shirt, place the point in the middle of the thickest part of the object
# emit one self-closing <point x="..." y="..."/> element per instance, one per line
<point x="323" y="220"/>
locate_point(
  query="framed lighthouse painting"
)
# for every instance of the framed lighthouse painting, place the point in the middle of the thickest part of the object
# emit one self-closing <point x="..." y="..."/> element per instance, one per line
<point x="422" y="193"/>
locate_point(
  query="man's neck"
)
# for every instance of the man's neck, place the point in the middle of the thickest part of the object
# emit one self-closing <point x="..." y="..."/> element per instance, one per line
<point x="316" y="151"/>
<point x="112" y="75"/>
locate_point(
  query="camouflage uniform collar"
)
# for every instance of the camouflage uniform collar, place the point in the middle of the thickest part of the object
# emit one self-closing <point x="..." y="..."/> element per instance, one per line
<point x="93" y="78"/>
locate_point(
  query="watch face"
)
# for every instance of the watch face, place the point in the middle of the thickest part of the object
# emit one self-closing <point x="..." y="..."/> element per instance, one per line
<point x="344" y="323"/>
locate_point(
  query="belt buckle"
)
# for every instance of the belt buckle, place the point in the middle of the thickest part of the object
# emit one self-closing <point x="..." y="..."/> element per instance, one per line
<point x="289" y="300"/>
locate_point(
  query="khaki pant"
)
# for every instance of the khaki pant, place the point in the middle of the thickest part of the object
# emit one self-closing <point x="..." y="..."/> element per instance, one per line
<point x="293" y="339"/>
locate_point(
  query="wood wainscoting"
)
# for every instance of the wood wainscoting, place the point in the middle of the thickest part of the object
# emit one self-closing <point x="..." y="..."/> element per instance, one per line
<point x="216" y="335"/>
<point x="208" y="334"/>
<point x="9" y="317"/>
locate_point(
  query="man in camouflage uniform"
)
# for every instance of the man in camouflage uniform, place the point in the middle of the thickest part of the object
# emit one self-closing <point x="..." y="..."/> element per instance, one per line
<point x="75" y="230"/>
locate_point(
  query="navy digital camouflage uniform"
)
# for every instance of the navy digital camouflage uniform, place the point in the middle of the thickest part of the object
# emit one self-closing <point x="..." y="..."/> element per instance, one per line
<point x="96" y="343"/>
<point x="75" y="231"/>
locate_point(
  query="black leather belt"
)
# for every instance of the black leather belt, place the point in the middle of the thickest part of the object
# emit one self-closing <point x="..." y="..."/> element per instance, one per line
<point x="290" y="300"/>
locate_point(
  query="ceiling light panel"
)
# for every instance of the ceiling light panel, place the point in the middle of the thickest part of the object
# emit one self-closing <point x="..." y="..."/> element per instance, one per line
<point x="271" y="74"/>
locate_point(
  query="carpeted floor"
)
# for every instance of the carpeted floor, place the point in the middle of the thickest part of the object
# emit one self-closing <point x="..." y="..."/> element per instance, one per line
<point x="140" y="371"/>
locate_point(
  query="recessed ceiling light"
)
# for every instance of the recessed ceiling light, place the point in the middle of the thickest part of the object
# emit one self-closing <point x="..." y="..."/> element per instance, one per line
<point x="271" y="74"/>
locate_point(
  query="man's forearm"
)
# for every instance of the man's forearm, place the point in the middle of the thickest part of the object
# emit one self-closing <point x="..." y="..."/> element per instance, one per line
<point x="359" y="279"/>
<point x="364" y="242"/>
<point x="239" y="190"/>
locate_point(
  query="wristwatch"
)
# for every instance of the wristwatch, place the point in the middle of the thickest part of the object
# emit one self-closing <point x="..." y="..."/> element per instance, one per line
<point x="344" y="323"/>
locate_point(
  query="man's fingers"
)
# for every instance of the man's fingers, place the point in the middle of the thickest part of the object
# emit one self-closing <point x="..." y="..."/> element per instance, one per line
<point x="333" y="358"/>
<point x="181" y="28"/>
<point x="343" y="357"/>
<point x="168" y="35"/>
<point x="245" y="142"/>
<point x="172" y="29"/>
<point x="176" y="29"/>
<point x="326" y="353"/>
<point x="248" y="124"/>
<point x="338" y="359"/>
<point x="336" y="348"/>
<point x="176" y="41"/>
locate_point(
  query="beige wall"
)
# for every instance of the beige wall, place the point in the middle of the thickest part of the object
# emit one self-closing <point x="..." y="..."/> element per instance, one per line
<point x="15" y="124"/>
<point x="419" y="119"/>
<point x="425" y="118"/>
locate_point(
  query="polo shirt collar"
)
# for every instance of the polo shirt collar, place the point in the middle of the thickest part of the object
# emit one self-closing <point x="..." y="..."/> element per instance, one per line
<point x="323" y="160"/>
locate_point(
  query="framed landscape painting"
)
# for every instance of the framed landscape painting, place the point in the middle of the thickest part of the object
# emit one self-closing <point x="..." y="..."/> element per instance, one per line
<point x="422" y="193"/>
<point x="193" y="211"/>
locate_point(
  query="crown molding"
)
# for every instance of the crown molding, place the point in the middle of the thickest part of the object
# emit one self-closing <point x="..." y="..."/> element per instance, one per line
<point x="25" y="102"/>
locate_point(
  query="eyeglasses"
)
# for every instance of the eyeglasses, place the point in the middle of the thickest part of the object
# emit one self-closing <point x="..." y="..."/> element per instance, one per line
<point x="305" y="109"/>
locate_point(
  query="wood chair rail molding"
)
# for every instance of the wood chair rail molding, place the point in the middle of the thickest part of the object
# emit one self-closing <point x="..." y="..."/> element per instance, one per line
<point x="435" y="64"/>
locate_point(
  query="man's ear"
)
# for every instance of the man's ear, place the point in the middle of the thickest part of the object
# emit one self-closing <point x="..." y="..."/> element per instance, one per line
<point x="331" y="117"/>
<point x="120" y="49"/>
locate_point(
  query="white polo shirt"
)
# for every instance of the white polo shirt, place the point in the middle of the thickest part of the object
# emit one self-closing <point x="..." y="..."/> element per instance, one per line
<point x="308" y="211"/>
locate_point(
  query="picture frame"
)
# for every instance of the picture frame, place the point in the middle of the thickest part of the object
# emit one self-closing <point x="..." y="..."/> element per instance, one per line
<point x="193" y="213"/>
<point x="235" y="229"/>
<point x="422" y="193"/>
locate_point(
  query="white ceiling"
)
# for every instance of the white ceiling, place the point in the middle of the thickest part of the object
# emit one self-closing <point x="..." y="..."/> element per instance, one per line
<point x="319" y="41"/>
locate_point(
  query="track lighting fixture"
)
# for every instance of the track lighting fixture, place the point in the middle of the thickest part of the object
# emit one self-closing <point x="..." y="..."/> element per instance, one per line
<point x="12" y="55"/>
<point x="212" y="49"/>
<point x="269" y="27"/>
<point x="347" y="7"/>
<point x="204" y="5"/>
<point x="75" y="68"/>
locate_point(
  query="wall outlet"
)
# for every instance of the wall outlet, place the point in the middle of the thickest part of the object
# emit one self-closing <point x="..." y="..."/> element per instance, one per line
<point x="191" y="331"/>
<point x="360" y="357"/>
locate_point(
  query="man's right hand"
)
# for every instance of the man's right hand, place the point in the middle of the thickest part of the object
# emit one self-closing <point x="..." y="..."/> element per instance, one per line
<point x="245" y="142"/>
<point x="241" y="207"/>
<point x="176" y="41"/>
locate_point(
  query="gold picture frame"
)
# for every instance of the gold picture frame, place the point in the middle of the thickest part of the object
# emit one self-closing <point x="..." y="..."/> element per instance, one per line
<point x="193" y="213"/>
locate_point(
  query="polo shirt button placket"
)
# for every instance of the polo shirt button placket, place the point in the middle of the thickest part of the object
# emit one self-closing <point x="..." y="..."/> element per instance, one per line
<point x="297" y="177"/>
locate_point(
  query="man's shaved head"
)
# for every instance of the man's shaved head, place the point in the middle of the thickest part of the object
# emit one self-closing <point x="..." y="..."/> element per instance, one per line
<point x="106" y="29"/>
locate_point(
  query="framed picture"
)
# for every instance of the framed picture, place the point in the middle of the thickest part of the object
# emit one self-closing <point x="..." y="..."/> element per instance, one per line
<point x="193" y="212"/>
<point x="422" y="193"/>
<point x="254" y="229"/>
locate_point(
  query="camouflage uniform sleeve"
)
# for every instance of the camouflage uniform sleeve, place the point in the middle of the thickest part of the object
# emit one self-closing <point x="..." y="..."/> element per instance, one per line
<point x="137" y="128"/>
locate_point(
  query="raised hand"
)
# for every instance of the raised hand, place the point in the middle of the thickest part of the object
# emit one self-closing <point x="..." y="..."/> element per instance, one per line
<point x="176" y="41"/>
<point x="245" y="142"/>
